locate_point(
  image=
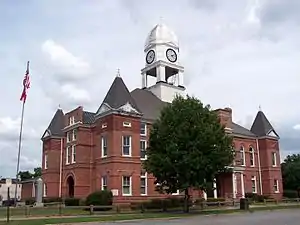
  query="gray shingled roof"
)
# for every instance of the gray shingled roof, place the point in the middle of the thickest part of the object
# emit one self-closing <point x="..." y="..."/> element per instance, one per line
<point x="88" y="117"/>
<point x="149" y="105"/>
<point x="118" y="95"/>
<point x="239" y="130"/>
<point x="261" y="125"/>
<point x="57" y="124"/>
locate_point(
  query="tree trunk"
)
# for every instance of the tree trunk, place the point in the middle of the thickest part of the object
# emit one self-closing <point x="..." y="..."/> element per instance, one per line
<point x="186" y="201"/>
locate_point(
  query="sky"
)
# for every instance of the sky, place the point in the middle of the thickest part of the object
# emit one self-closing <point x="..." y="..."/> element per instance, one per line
<point x="237" y="53"/>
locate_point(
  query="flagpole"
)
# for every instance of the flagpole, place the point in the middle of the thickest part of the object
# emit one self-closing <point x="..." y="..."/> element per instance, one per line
<point x="20" y="143"/>
<point x="19" y="150"/>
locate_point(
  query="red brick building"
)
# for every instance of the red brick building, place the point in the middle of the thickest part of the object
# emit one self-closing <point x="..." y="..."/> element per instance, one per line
<point x="87" y="151"/>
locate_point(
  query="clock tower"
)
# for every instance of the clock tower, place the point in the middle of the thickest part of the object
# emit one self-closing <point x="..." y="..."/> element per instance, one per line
<point x="162" y="62"/>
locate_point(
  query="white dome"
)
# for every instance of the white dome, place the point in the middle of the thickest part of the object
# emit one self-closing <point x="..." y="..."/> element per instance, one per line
<point x="161" y="34"/>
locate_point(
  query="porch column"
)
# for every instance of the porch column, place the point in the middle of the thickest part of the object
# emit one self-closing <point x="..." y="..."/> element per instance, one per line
<point x="242" y="185"/>
<point x="204" y="195"/>
<point x="233" y="185"/>
<point x="215" y="189"/>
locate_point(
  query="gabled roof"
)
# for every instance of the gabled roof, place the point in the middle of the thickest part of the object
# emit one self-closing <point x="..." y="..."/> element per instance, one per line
<point x="261" y="125"/>
<point x="240" y="130"/>
<point x="56" y="125"/>
<point x="118" y="95"/>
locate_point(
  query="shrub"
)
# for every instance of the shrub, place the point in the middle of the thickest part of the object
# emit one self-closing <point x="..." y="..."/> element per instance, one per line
<point x="215" y="200"/>
<point x="290" y="194"/>
<point x="29" y="201"/>
<point x="100" y="198"/>
<point x="52" y="200"/>
<point x="72" y="201"/>
<point x="256" y="197"/>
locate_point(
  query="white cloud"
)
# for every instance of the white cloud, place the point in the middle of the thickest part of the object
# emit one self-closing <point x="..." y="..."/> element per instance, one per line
<point x="68" y="65"/>
<point x="75" y="94"/>
<point x="296" y="127"/>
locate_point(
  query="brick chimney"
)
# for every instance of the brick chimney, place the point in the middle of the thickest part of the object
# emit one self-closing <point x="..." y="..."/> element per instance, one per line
<point x="225" y="116"/>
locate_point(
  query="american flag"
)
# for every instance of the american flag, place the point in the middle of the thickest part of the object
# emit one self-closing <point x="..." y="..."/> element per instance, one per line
<point x="26" y="84"/>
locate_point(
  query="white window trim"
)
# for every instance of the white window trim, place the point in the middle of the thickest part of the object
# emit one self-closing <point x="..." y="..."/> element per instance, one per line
<point x="145" y="134"/>
<point x="253" y="178"/>
<point x="145" y="150"/>
<point x="73" y="135"/>
<point x="68" y="137"/>
<point x="71" y="120"/>
<point x="242" y="150"/>
<point x="130" y="145"/>
<point x="102" y="146"/>
<point x="67" y="155"/>
<point x="46" y="161"/>
<point x="102" y="182"/>
<point x="72" y="154"/>
<point x="126" y="124"/>
<point x="130" y="187"/>
<point x="277" y="185"/>
<point x="274" y="154"/>
<point x="145" y="176"/>
<point x="104" y="125"/>
<point x="252" y="154"/>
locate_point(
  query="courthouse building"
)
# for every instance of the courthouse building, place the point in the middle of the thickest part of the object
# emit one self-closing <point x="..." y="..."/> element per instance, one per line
<point x="88" y="151"/>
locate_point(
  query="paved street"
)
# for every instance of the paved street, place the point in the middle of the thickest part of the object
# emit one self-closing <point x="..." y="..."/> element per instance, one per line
<point x="277" y="217"/>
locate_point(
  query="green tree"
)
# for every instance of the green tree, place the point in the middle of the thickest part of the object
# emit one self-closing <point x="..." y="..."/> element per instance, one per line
<point x="188" y="147"/>
<point x="37" y="172"/>
<point x="25" y="175"/>
<point x="291" y="172"/>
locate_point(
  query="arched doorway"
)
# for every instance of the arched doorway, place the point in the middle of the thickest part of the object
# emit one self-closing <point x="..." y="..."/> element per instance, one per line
<point x="70" y="185"/>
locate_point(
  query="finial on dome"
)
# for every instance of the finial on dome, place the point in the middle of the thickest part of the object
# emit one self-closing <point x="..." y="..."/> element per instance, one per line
<point x="259" y="107"/>
<point x="59" y="106"/>
<point x="118" y="73"/>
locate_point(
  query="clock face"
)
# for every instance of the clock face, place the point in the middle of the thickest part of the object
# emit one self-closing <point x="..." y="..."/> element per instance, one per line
<point x="171" y="55"/>
<point x="150" y="56"/>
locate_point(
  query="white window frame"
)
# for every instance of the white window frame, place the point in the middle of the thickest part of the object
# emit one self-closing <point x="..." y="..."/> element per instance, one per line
<point x="68" y="150"/>
<point x="252" y="155"/>
<point x="130" y="145"/>
<point x="130" y="186"/>
<point x="46" y="161"/>
<point x="71" y="120"/>
<point x="144" y="176"/>
<point x="103" y="140"/>
<point x="145" y="127"/>
<point x="274" y="156"/>
<point x="253" y="178"/>
<point x="104" y="125"/>
<point x="68" y="137"/>
<point x="145" y="141"/>
<point x="44" y="190"/>
<point x="242" y="151"/>
<point x="276" y="184"/>
<point x="104" y="183"/>
<point x="73" y="134"/>
<point x="126" y="124"/>
<point x="73" y="154"/>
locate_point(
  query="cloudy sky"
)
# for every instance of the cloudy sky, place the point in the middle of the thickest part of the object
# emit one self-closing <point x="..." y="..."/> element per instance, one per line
<point x="236" y="53"/>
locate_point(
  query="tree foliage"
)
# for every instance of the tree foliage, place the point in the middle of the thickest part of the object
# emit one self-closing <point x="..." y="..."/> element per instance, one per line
<point x="188" y="146"/>
<point x="291" y="172"/>
<point x="25" y="175"/>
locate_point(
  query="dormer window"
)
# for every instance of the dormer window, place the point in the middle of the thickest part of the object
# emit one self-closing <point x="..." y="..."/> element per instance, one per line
<point x="71" y="120"/>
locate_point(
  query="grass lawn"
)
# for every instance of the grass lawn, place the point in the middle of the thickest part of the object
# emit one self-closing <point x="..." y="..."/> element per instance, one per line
<point x="116" y="217"/>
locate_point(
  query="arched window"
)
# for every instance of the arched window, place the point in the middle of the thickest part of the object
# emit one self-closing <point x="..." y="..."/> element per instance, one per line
<point x="242" y="153"/>
<point x="252" y="158"/>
